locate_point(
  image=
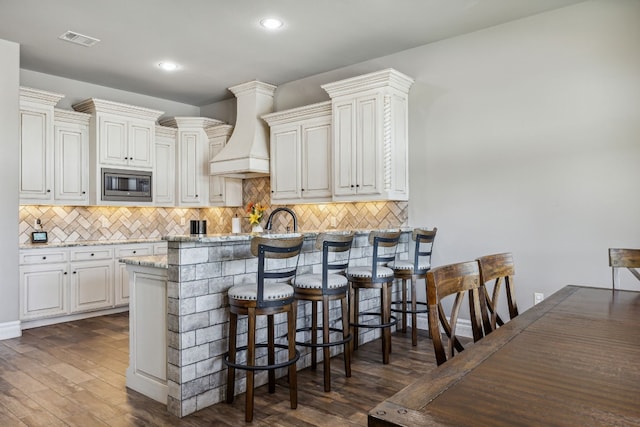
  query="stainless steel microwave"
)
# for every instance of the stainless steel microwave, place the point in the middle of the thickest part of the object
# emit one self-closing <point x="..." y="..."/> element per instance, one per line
<point x="126" y="185"/>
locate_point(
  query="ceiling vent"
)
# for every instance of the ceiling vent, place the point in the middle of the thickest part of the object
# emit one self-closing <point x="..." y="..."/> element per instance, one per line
<point x="77" y="38"/>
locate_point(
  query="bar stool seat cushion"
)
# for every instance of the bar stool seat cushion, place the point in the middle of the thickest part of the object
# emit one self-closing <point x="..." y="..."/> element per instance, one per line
<point x="407" y="265"/>
<point x="314" y="281"/>
<point x="272" y="292"/>
<point x="366" y="272"/>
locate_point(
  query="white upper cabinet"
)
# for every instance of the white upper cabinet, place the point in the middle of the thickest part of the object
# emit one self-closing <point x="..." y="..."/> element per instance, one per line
<point x="36" y="145"/>
<point x="192" y="188"/>
<point x="370" y="136"/>
<point x="300" y="152"/>
<point x="164" y="171"/>
<point x="71" y="157"/>
<point x="122" y="136"/>
<point x="222" y="191"/>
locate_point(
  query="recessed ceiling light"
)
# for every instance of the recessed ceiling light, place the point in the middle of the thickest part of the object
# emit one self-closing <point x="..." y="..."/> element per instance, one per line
<point x="168" y="66"/>
<point x="271" y="23"/>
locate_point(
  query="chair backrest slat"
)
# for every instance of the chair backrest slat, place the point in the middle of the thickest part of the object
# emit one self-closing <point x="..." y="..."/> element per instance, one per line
<point x="498" y="269"/>
<point x="455" y="279"/>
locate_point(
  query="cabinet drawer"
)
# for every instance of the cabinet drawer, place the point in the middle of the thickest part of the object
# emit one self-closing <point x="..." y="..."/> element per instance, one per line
<point x="87" y="254"/>
<point x="160" y="248"/>
<point x="128" y="251"/>
<point x="39" y="256"/>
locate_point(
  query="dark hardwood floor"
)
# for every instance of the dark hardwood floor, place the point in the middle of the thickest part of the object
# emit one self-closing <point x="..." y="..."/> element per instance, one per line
<point x="73" y="374"/>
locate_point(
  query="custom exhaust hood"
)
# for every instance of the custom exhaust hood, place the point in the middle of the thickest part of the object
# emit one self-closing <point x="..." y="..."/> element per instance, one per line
<point x="246" y="154"/>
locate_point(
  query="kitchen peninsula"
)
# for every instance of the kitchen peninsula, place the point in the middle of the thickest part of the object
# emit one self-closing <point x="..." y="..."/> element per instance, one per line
<point x="199" y="271"/>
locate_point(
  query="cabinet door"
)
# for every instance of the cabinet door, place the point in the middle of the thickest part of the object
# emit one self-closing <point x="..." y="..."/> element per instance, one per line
<point x="368" y="143"/>
<point x="164" y="175"/>
<point x="344" y="153"/>
<point x="316" y="161"/>
<point x="190" y="168"/>
<point x="121" y="282"/>
<point x="216" y="183"/>
<point x="71" y="159"/>
<point x="91" y="285"/>
<point x="140" y="144"/>
<point x="43" y="290"/>
<point x="285" y="164"/>
<point x="113" y="141"/>
<point x="36" y="166"/>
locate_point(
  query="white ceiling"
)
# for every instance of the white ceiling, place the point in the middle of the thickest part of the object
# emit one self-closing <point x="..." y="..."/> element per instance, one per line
<point x="220" y="44"/>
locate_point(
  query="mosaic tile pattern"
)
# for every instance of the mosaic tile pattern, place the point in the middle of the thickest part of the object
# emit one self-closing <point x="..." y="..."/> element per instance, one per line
<point x="88" y="223"/>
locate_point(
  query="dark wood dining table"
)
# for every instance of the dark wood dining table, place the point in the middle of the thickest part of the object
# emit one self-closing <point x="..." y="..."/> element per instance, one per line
<point x="572" y="360"/>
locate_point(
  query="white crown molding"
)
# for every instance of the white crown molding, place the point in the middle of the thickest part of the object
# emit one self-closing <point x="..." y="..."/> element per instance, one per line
<point x="219" y="130"/>
<point x="254" y="87"/>
<point x="165" y="131"/>
<point x="10" y="330"/>
<point x="190" y="122"/>
<point x="74" y="117"/>
<point x="39" y="96"/>
<point x="94" y="105"/>
<point x="320" y="109"/>
<point x="376" y="80"/>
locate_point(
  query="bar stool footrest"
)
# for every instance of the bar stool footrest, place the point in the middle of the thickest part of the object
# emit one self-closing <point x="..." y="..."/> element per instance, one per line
<point x="261" y="367"/>
<point x="322" y="345"/>
<point x="399" y="310"/>
<point x="393" y="321"/>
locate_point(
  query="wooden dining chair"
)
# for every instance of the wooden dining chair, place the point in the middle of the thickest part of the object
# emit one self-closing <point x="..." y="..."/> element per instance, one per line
<point x="499" y="269"/>
<point x="454" y="279"/>
<point x="623" y="258"/>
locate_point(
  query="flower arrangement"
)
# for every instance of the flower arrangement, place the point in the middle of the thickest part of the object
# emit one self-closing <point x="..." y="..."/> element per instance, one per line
<point x="255" y="211"/>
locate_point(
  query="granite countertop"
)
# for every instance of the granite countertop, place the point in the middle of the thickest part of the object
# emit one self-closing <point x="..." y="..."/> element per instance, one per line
<point x="86" y="243"/>
<point x="240" y="237"/>
<point x="157" y="261"/>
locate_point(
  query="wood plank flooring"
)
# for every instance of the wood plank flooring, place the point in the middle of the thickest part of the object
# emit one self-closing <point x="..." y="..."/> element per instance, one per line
<point x="73" y="374"/>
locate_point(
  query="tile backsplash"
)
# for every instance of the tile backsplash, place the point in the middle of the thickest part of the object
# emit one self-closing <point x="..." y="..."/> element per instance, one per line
<point x="90" y="223"/>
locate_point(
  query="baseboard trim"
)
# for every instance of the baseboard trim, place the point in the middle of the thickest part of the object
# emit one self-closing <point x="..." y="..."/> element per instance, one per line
<point x="463" y="327"/>
<point x="36" y="323"/>
<point x="10" y="330"/>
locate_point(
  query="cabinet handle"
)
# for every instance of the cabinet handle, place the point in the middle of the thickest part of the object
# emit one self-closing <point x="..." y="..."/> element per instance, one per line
<point x="303" y="189"/>
<point x="273" y="191"/>
<point x="48" y="191"/>
<point x="65" y="273"/>
<point x="74" y="272"/>
<point x="84" y="192"/>
<point x="358" y="186"/>
<point x="196" y="195"/>
<point x="135" y="252"/>
<point x="352" y="185"/>
<point x="92" y="254"/>
<point x="44" y="257"/>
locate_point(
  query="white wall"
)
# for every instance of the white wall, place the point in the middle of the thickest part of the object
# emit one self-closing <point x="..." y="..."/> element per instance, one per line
<point x="9" y="149"/>
<point x="524" y="137"/>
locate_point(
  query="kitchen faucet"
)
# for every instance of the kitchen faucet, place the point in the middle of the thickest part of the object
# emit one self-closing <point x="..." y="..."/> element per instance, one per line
<point x="269" y="225"/>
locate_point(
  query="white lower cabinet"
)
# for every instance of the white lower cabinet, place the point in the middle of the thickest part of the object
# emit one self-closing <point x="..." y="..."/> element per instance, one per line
<point x="91" y="285"/>
<point x="43" y="290"/>
<point x="75" y="281"/>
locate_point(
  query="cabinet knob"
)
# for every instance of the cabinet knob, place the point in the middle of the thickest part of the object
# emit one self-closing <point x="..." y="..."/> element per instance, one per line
<point x="65" y="273"/>
<point x="126" y="158"/>
<point x="92" y="254"/>
<point x="48" y="191"/>
<point x="303" y="189"/>
<point x="352" y="186"/>
<point x="135" y="252"/>
<point x="84" y="192"/>
<point x="44" y="257"/>
<point x="74" y="272"/>
<point x="196" y="195"/>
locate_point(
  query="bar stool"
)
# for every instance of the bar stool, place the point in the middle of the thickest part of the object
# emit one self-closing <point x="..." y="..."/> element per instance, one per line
<point x="329" y="285"/>
<point x="265" y="298"/>
<point x="414" y="270"/>
<point x="375" y="276"/>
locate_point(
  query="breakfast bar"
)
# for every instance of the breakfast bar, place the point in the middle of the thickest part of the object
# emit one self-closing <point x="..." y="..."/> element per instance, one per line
<point x="199" y="271"/>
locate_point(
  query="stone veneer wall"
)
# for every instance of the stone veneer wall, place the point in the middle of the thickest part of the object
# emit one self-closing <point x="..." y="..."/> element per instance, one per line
<point x="88" y="223"/>
<point x="199" y="277"/>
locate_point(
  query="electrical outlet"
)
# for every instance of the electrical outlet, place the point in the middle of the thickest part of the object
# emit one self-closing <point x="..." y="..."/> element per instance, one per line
<point x="334" y="222"/>
<point x="537" y="297"/>
<point x="183" y="221"/>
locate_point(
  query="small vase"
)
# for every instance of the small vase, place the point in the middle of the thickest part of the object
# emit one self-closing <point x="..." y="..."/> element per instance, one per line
<point x="256" y="228"/>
